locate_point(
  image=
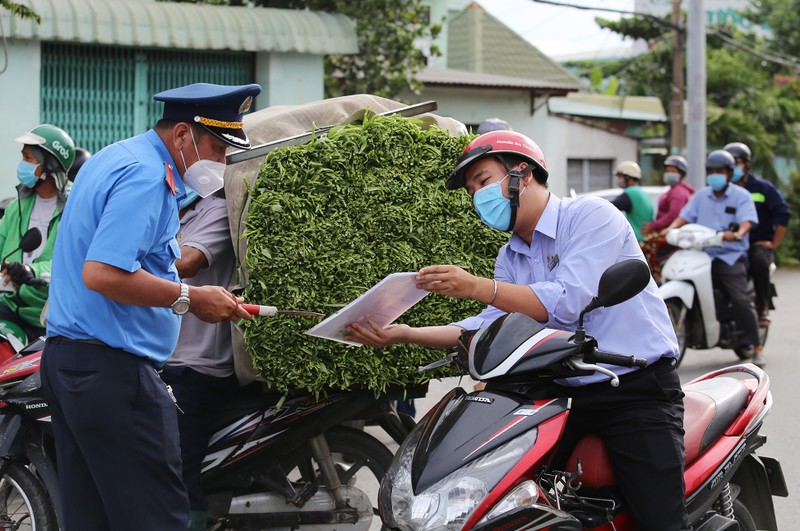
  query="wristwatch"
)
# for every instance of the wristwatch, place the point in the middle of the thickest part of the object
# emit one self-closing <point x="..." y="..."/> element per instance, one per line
<point x="181" y="304"/>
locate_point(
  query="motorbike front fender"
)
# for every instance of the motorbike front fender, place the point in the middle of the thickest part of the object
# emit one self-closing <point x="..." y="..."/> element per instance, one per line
<point x="9" y="429"/>
<point x="678" y="289"/>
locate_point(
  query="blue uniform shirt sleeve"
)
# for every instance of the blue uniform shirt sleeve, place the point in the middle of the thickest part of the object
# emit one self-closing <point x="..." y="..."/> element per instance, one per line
<point x="131" y="209"/>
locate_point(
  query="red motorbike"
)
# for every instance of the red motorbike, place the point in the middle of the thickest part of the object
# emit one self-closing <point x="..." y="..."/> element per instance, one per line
<point x="481" y="460"/>
<point x="293" y="464"/>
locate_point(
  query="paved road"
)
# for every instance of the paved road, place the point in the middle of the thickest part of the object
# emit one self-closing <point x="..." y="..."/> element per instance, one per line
<point x="782" y="351"/>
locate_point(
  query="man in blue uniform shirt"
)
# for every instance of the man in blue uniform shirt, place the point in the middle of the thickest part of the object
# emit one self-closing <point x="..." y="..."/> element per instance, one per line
<point x="717" y="206"/>
<point x="115" y="310"/>
<point x="773" y="218"/>
<point x="550" y="270"/>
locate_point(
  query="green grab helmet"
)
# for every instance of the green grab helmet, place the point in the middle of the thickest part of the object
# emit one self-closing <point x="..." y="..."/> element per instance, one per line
<point x="53" y="140"/>
<point x="9" y="330"/>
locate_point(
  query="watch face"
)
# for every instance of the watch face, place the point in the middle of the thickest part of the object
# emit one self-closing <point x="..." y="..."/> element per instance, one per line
<point x="180" y="307"/>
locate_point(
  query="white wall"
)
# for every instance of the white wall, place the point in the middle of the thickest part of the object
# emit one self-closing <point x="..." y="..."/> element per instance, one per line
<point x="558" y="138"/>
<point x="19" y="106"/>
<point x="289" y="78"/>
<point x="566" y="139"/>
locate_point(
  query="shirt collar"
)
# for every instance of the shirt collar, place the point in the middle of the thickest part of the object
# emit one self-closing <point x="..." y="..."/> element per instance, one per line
<point x="163" y="153"/>
<point x="546" y="226"/>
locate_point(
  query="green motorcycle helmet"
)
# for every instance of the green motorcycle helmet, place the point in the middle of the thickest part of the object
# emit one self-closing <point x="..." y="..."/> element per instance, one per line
<point x="56" y="142"/>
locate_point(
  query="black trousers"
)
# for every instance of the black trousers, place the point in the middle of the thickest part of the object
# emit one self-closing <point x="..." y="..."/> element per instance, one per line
<point x="732" y="279"/>
<point x="200" y="397"/>
<point x="641" y="424"/>
<point x="761" y="259"/>
<point x="116" y="431"/>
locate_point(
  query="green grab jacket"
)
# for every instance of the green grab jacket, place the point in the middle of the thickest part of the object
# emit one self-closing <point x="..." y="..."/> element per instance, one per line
<point x="27" y="301"/>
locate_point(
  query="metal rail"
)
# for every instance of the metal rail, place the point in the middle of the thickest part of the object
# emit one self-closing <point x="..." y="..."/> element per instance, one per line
<point x="263" y="149"/>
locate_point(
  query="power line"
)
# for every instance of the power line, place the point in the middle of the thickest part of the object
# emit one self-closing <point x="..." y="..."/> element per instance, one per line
<point x="649" y="16"/>
<point x="771" y="57"/>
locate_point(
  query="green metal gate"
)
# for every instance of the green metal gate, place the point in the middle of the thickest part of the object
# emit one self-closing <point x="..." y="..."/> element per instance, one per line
<point x="101" y="94"/>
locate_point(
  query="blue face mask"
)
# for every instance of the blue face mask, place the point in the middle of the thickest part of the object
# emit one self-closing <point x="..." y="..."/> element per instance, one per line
<point x="493" y="209"/>
<point x="26" y="173"/>
<point x="717" y="181"/>
<point x="191" y="197"/>
<point x="737" y="174"/>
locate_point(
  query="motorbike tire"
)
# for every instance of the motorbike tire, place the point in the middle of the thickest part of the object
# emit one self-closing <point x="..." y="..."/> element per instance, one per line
<point x="24" y="502"/>
<point x="677" y="314"/>
<point x="742" y="515"/>
<point x="361" y="459"/>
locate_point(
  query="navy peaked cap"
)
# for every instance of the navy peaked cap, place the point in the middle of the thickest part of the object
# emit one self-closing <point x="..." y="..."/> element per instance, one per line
<point x="218" y="108"/>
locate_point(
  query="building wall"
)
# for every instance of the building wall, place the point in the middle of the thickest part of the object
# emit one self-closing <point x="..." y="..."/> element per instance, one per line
<point x="19" y="107"/>
<point x="559" y="139"/>
<point x="289" y="78"/>
<point x="566" y="140"/>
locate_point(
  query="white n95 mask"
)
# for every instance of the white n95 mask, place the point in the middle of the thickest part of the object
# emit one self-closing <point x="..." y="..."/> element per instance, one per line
<point x="204" y="176"/>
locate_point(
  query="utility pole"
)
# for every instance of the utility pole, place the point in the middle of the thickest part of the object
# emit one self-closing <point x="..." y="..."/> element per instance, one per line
<point x="696" y="84"/>
<point x="677" y="124"/>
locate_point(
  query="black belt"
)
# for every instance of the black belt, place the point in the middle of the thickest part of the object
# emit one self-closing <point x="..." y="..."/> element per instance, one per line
<point x="86" y="341"/>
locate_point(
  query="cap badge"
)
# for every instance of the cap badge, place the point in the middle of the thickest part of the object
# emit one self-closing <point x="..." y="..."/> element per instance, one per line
<point x="245" y="106"/>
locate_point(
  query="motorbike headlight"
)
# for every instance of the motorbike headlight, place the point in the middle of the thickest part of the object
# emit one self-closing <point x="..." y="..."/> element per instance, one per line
<point x="447" y="504"/>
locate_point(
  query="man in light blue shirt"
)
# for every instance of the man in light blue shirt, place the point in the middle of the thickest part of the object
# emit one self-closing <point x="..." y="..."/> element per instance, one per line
<point x="115" y="310"/>
<point x="550" y="271"/>
<point x="718" y="206"/>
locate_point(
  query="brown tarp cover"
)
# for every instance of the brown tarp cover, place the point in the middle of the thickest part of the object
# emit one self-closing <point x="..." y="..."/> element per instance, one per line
<point x="273" y="124"/>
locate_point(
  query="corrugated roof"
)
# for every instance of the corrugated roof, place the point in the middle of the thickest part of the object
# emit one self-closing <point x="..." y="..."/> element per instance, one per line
<point x="478" y="42"/>
<point x="452" y="77"/>
<point x="629" y="108"/>
<point x="186" y="26"/>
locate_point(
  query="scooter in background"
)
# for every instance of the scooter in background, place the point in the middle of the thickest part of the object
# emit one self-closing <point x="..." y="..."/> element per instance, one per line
<point x="702" y="315"/>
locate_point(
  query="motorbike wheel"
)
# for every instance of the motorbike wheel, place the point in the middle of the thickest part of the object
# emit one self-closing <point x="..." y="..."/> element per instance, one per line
<point x="677" y="314"/>
<point x="742" y="515"/>
<point x="24" y="503"/>
<point x="361" y="460"/>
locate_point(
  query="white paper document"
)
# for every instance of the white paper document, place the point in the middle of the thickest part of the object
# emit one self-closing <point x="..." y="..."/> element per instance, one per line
<point x="382" y="303"/>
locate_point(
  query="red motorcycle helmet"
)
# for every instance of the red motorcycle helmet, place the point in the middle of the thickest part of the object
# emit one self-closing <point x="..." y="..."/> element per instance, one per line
<point x="499" y="143"/>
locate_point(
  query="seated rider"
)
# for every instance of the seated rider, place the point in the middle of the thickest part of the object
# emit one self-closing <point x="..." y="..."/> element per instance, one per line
<point x="47" y="155"/>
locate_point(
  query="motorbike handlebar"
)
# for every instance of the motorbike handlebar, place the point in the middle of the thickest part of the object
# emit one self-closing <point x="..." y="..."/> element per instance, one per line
<point x="612" y="358"/>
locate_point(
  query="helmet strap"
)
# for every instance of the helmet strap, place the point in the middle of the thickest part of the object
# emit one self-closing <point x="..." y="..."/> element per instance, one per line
<point x="514" y="178"/>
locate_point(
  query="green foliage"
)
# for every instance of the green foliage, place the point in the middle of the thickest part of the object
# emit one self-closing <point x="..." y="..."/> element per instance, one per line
<point x="636" y="27"/>
<point x="387" y="61"/>
<point x="329" y="219"/>
<point x="788" y="254"/>
<point x="20" y="10"/>
<point x="783" y="19"/>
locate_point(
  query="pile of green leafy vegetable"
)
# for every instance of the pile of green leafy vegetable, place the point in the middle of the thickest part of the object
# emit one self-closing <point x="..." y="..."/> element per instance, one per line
<point x="329" y="219"/>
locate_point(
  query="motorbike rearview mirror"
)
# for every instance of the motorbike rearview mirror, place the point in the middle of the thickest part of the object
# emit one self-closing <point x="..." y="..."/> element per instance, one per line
<point x="30" y="241"/>
<point x="618" y="283"/>
<point x="622" y="281"/>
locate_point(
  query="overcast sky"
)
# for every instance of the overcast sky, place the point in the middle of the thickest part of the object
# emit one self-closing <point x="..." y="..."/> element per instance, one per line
<point x="560" y="31"/>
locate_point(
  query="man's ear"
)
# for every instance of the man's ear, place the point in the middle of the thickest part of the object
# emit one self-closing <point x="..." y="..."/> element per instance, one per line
<point x="181" y="136"/>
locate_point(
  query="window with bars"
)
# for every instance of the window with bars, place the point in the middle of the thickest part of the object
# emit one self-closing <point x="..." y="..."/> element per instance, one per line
<point x="586" y="175"/>
<point x="101" y="94"/>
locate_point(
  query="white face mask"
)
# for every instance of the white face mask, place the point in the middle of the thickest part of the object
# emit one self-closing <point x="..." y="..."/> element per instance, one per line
<point x="204" y="176"/>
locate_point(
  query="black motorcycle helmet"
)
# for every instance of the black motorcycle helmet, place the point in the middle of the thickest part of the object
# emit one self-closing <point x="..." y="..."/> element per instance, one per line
<point x="81" y="156"/>
<point x="739" y="151"/>
<point x="720" y="160"/>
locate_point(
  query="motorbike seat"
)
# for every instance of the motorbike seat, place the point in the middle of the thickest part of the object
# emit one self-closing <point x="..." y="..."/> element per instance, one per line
<point x="710" y="406"/>
<point x="246" y="400"/>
